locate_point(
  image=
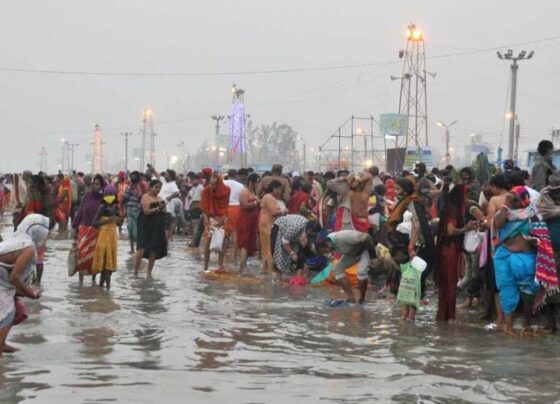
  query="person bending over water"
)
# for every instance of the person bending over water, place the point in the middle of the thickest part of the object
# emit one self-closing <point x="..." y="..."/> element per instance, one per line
<point x="17" y="262"/>
<point x="355" y="247"/>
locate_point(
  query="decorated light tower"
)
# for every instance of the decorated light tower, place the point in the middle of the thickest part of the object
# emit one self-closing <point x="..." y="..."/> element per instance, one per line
<point x="97" y="166"/>
<point x="237" y="126"/>
<point x="148" y="134"/>
<point x="413" y="100"/>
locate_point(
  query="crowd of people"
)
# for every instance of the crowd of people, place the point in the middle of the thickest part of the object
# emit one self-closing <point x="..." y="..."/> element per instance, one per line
<point x="488" y="234"/>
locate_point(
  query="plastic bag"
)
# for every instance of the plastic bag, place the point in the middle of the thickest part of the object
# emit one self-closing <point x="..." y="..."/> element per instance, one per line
<point x="409" y="288"/>
<point x="472" y="241"/>
<point x="217" y="239"/>
<point x="72" y="261"/>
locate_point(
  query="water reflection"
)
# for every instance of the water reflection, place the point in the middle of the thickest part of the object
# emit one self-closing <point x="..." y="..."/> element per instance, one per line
<point x="95" y="342"/>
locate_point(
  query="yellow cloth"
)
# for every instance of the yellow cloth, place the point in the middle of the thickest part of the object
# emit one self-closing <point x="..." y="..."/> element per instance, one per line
<point x="105" y="256"/>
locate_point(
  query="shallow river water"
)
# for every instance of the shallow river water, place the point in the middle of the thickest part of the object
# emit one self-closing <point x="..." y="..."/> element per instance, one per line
<point x="182" y="338"/>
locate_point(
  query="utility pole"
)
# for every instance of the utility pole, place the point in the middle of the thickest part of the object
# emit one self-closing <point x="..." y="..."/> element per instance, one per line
<point x="126" y="135"/>
<point x="181" y="147"/>
<point x="517" y="133"/>
<point x="447" y="149"/>
<point x="64" y="155"/>
<point x="71" y="146"/>
<point x="514" y="67"/>
<point x="43" y="162"/>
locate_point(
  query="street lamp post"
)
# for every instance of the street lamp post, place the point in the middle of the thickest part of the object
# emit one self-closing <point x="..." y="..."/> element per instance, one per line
<point x="514" y="67"/>
<point x="514" y="120"/>
<point x="304" y="151"/>
<point x="126" y="135"/>
<point x="72" y="145"/>
<point x="447" y="149"/>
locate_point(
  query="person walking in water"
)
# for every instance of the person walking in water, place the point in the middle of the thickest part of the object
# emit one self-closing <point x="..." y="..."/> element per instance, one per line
<point x="131" y="198"/>
<point x="106" y="219"/>
<point x="152" y="239"/>
<point x="85" y="232"/>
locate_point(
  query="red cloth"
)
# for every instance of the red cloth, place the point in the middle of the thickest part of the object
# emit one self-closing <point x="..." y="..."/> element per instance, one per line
<point x="232" y="219"/>
<point x="247" y="229"/>
<point x="361" y="224"/>
<point x="299" y="198"/>
<point x="298" y="280"/>
<point x="338" y="219"/>
<point x="215" y="203"/>
<point x="87" y="238"/>
<point x="64" y="198"/>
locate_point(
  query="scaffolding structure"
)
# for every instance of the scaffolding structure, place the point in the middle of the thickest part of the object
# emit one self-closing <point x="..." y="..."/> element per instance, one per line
<point x="354" y="146"/>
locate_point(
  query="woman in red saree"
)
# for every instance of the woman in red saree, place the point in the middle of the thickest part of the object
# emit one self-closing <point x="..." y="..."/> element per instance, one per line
<point x="248" y="222"/>
<point x="300" y="200"/>
<point x="84" y="230"/>
<point x="214" y="204"/>
<point x="449" y="249"/>
<point x="64" y="199"/>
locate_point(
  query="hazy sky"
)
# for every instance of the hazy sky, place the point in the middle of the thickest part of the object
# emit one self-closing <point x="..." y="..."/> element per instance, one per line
<point x="246" y="35"/>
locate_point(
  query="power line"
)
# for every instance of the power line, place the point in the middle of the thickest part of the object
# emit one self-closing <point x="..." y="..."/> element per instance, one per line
<point x="259" y="72"/>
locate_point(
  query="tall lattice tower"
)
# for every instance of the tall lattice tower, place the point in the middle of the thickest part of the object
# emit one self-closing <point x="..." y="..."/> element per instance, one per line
<point x="148" y="135"/>
<point x="413" y="100"/>
<point x="97" y="163"/>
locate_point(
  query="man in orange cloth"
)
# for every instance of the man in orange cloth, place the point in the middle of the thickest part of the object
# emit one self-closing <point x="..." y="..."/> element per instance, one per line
<point x="214" y="204"/>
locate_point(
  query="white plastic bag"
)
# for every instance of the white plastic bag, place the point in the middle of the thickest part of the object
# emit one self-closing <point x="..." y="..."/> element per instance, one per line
<point x="418" y="263"/>
<point x="472" y="240"/>
<point x="217" y="239"/>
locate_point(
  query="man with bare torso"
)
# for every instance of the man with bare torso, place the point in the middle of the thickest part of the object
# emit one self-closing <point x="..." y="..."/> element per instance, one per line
<point x="276" y="174"/>
<point x="353" y="201"/>
<point x="498" y="187"/>
<point x="361" y="188"/>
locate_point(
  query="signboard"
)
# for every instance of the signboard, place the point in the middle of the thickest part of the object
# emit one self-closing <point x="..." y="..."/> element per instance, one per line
<point x="393" y="124"/>
<point x="137" y="153"/>
<point x="416" y="155"/>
